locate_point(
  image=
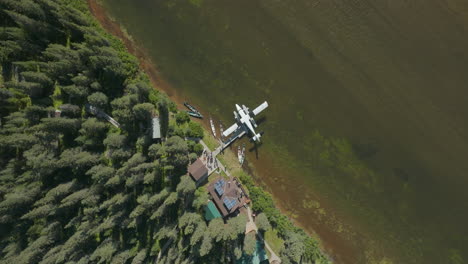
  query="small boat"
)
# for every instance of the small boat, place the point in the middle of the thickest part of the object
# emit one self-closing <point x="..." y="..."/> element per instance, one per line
<point x="221" y="130"/>
<point x="190" y="107"/>
<point x="212" y="127"/>
<point x="242" y="155"/>
<point x="195" y="114"/>
<point x="239" y="154"/>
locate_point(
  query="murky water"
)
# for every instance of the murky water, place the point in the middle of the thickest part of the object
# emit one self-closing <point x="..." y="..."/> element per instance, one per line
<point x="366" y="136"/>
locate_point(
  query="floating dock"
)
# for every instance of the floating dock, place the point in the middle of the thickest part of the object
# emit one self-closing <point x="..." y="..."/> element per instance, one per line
<point x="240" y="132"/>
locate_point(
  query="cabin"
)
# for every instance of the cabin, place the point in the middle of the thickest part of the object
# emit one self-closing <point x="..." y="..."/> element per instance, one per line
<point x="155" y="129"/>
<point x="198" y="171"/>
<point x="228" y="195"/>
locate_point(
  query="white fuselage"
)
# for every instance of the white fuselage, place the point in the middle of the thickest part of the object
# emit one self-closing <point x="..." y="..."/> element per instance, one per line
<point x="245" y="121"/>
<point x="244" y="118"/>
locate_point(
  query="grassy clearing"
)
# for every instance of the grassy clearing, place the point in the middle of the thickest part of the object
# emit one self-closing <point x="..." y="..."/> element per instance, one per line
<point x="210" y="141"/>
<point x="276" y="243"/>
<point x="57" y="97"/>
<point x="212" y="178"/>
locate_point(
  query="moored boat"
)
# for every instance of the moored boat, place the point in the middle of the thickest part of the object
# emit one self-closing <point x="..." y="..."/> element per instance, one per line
<point x="195" y="114"/>
<point x="212" y="127"/>
<point x="242" y="155"/>
<point x="239" y="154"/>
<point x="191" y="107"/>
<point x="221" y="130"/>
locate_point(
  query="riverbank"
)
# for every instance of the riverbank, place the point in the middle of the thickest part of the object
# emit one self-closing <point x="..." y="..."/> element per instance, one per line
<point x="267" y="203"/>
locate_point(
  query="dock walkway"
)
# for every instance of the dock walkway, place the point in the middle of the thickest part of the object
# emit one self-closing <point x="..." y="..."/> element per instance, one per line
<point x="209" y="157"/>
<point x="212" y="163"/>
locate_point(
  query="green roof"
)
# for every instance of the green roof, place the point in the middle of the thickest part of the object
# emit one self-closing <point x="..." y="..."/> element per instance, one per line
<point x="211" y="212"/>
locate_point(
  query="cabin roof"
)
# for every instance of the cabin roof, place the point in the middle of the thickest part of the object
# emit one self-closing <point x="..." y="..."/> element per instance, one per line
<point x="156" y="128"/>
<point x="227" y="195"/>
<point x="198" y="170"/>
<point x="211" y="212"/>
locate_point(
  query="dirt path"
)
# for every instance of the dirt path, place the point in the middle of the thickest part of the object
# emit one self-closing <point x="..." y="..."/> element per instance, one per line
<point x="251" y="226"/>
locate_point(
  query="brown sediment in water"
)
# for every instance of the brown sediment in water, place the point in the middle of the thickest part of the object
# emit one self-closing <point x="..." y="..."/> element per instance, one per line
<point x="341" y="250"/>
<point x="145" y="63"/>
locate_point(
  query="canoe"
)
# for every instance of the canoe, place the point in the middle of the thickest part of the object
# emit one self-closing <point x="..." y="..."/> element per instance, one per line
<point x="195" y="114"/>
<point x="191" y="107"/>
<point x="212" y="127"/>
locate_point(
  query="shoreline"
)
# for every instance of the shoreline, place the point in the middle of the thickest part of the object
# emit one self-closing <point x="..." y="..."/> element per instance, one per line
<point x="158" y="82"/>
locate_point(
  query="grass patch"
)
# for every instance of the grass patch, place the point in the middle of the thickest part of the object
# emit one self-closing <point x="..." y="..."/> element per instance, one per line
<point x="223" y="175"/>
<point x="212" y="178"/>
<point x="57" y="97"/>
<point x="210" y="141"/>
<point x="276" y="243"/>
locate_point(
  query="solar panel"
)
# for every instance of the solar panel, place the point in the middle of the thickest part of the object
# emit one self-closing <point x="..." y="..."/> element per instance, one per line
<point x="219" y="190"/>
<point x="219" y="187"/>
<point x="229" y="203"/>
<point x="234" y="202"/>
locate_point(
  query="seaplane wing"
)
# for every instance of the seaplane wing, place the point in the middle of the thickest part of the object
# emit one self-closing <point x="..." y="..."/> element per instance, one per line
<point x="231" y="129"/>
<point x="260" y="108"/>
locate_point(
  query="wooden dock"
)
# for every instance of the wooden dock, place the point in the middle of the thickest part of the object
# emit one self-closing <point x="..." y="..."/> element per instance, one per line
<point x="240" y="132"/>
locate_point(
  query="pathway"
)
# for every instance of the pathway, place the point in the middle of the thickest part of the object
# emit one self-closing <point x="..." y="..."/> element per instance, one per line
<point x="252" y="226"/>
<point x="164" y="249"/>
<point x="213" y="164"/>
<point x="99" y="113"/>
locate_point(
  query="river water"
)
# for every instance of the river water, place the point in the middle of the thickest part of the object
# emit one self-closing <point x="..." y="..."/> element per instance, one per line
<point x="366" y="136"/>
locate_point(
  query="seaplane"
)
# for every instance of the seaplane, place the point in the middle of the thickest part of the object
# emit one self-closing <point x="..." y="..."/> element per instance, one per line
<point x="245" y="121"/>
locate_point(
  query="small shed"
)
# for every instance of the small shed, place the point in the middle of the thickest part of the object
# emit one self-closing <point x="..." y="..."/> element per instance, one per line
<point x="198" y="171"/>
<point x="156" y="128"/>
<point x="211" y="212"/>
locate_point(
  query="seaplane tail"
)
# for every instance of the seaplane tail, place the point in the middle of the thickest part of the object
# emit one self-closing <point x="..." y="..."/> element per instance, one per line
<point x="256" y="137"/>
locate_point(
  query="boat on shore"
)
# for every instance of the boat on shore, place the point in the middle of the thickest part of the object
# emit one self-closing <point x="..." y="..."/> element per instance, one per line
<point x="221" y="130"/>
<point x="241" y="154"/>
<point x="193" y="111"/>
<point x="195" y="114"/>
<point x="212" y="127"/>
<point x="191" y="107"/>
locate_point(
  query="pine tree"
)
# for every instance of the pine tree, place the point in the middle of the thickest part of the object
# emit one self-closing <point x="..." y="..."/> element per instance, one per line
<point x="249" y="243"/>
<point x="262" y="222"/>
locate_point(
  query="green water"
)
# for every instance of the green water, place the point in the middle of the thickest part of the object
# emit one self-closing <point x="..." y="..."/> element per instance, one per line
<point x="366" y="137"/>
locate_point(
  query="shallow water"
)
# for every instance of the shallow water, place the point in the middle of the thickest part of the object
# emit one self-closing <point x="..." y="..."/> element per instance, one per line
<point x="366" y="134"/>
